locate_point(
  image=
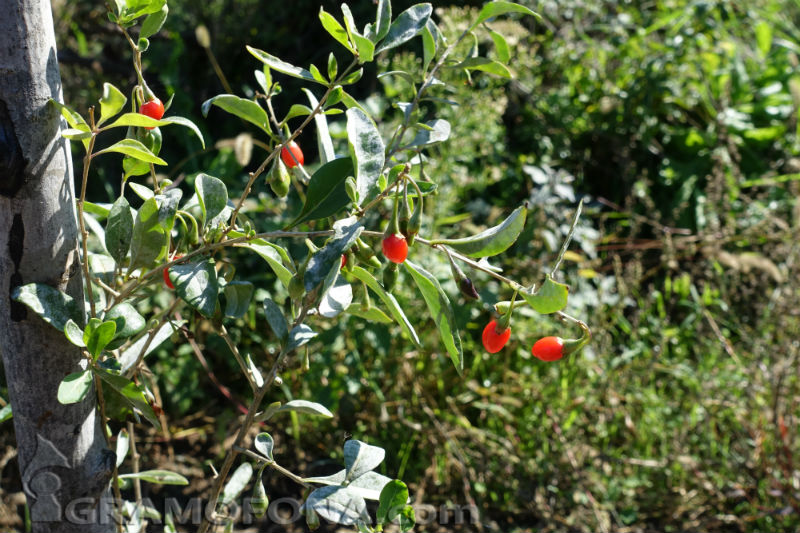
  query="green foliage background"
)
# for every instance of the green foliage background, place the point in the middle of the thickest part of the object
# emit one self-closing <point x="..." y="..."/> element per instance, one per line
<point x="678" y="121"/>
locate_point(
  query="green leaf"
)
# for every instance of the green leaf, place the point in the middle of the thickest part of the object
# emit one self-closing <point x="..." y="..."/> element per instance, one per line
<point x="119" y="229"/>
<point x="281" y="66"/>
<point x="97" y="209"/>
<point x="365" y="47"/>
<point x="372" y="314"/>
<point x="275" y="319"/>
<point x="159" y="477"/>
<point x="367" y="151"/>
<point x="389" y="301"/>
<point x="429" y="44"/>
<point x="238" y="481"/>
<point x="299" y="336"/>
<point x="129" y="321"/>
<point x="212" y="195"/>
<point x="149" y="241"/>
<point x="393" y="499"/>
<point x="240" y="107"/>
<point x="111" y="102"/>
<point x="346" y="231"/>
<point x="408" y="519"/>
<point x="186" y="123"/>
<point x="134" y="120"/>
<point x="764" y="37"/>
<point x="335" y="29"/>
<point x="153" y="22"/>
<point x="383" y="19"/>
<point x="439" y="131"/>
<point x="337" y="299"/>
<point x="123" y="445"/>
<point x="326" y="193"/>
<point x="237" y="298"/>
<point x="324" y="141"/>
<point x="409" y="23"/>
<point x="360" y="458"/>
<point x="6" y="413"/>
<point x="145" y="193"/>
<point x="97" y="334"/>
<point x="297" y="110"/>
<point x="74" y="387"/>
<point x="550" y="298"/>
<point x="130" y="393"/>
<point x="495" y="9"/>
<point x="196" y="283"/>
<point x="134" y="149"/>
<point x="492" y="241"/>
<point x="264" y="444"/>
<point x="274" y="255"/>
<point x="74" y="333"/>
<point x="54" y="306"/>
<point x="306" y="407"/>
<point x="367" y="485"/>
<point x="485" y="65"/>
<point x="338" y="504"/>
<point x="441" y="311"/>
<point x="500" y="47"/>
<point x="131" y="354"/>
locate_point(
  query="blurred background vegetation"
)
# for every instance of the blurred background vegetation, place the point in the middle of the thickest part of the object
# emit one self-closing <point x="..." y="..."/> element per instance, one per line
<point x="676" y="120"/>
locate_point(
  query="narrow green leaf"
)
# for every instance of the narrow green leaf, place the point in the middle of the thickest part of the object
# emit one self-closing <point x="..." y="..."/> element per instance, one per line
<point x="383" y="19"/>
<point x="240" y="107"/>
<point x="158" y="477"/>
<point x="550" y="298"/>
<point x="495" y="9"/>
<point x="389" y="301"/>
<point x="186" y="123"/>
<point x="407" y="24"/>
<point x="101" y="210"/>
<point x="111" y="102"/>
<point x="439" y="131"/>
<point x="212" y="195"/>
<point x="143" y="192"/>
<point x="485" y="65"/>
<point x="492" y="241"/>
<point x="123" y="445"/>
<point x="238" y="481"/>
<point x="274" y="255"/>
<point x="408" y="519"/>
<point x="360" y="458"/>
<point x="74" y="387"/>
<point x="305" y="407"/>
<point x="134" y="149"/>
<point x="153" y="22"/>
<point x="441" y="312"/>
<point x="500" y="47"/>
<point x="297" y="110"/>
<point x="324" y="141"/>
<point x="393" y="499"/>
<point x="430" y="44"/>
<point x="149" y="241"/>
<point x="335" y="29"/>
<point x="238" y="295"/>
<point x="130" y="393"/>
<point x="52" y="305"/>
<point x="196" y="283"/>
<point x="326" y="193"/>
<point x="264" y="444"/>
<point x="6" y="413"/>
<point x="281" y="66"/>
<point x="131" y="354"/>
<point x="372" y="314"/>
<point x="367" y="151"/>
<point x="346" y="231"/>
<point x="275" y="319"/>
<point x="119" y="229"/>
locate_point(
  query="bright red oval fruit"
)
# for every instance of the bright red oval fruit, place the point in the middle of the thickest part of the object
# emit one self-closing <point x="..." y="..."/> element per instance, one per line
<point x="344" y="260"/>
<point x="548" y="349"/>
<point x="292" y="149"/>
<point x="153" y="109"/>
<point x="395" y="248"/>
<point x="493" y="340"/>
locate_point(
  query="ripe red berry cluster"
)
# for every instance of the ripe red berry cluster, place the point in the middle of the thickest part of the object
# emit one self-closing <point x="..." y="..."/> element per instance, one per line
<point x="153" y="109"/>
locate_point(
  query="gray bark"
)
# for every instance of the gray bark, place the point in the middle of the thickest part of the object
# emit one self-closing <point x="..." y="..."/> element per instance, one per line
<point x="63" y="459"/>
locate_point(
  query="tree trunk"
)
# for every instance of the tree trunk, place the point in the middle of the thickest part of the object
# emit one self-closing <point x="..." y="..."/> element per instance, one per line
<point x="63" y="460"/>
